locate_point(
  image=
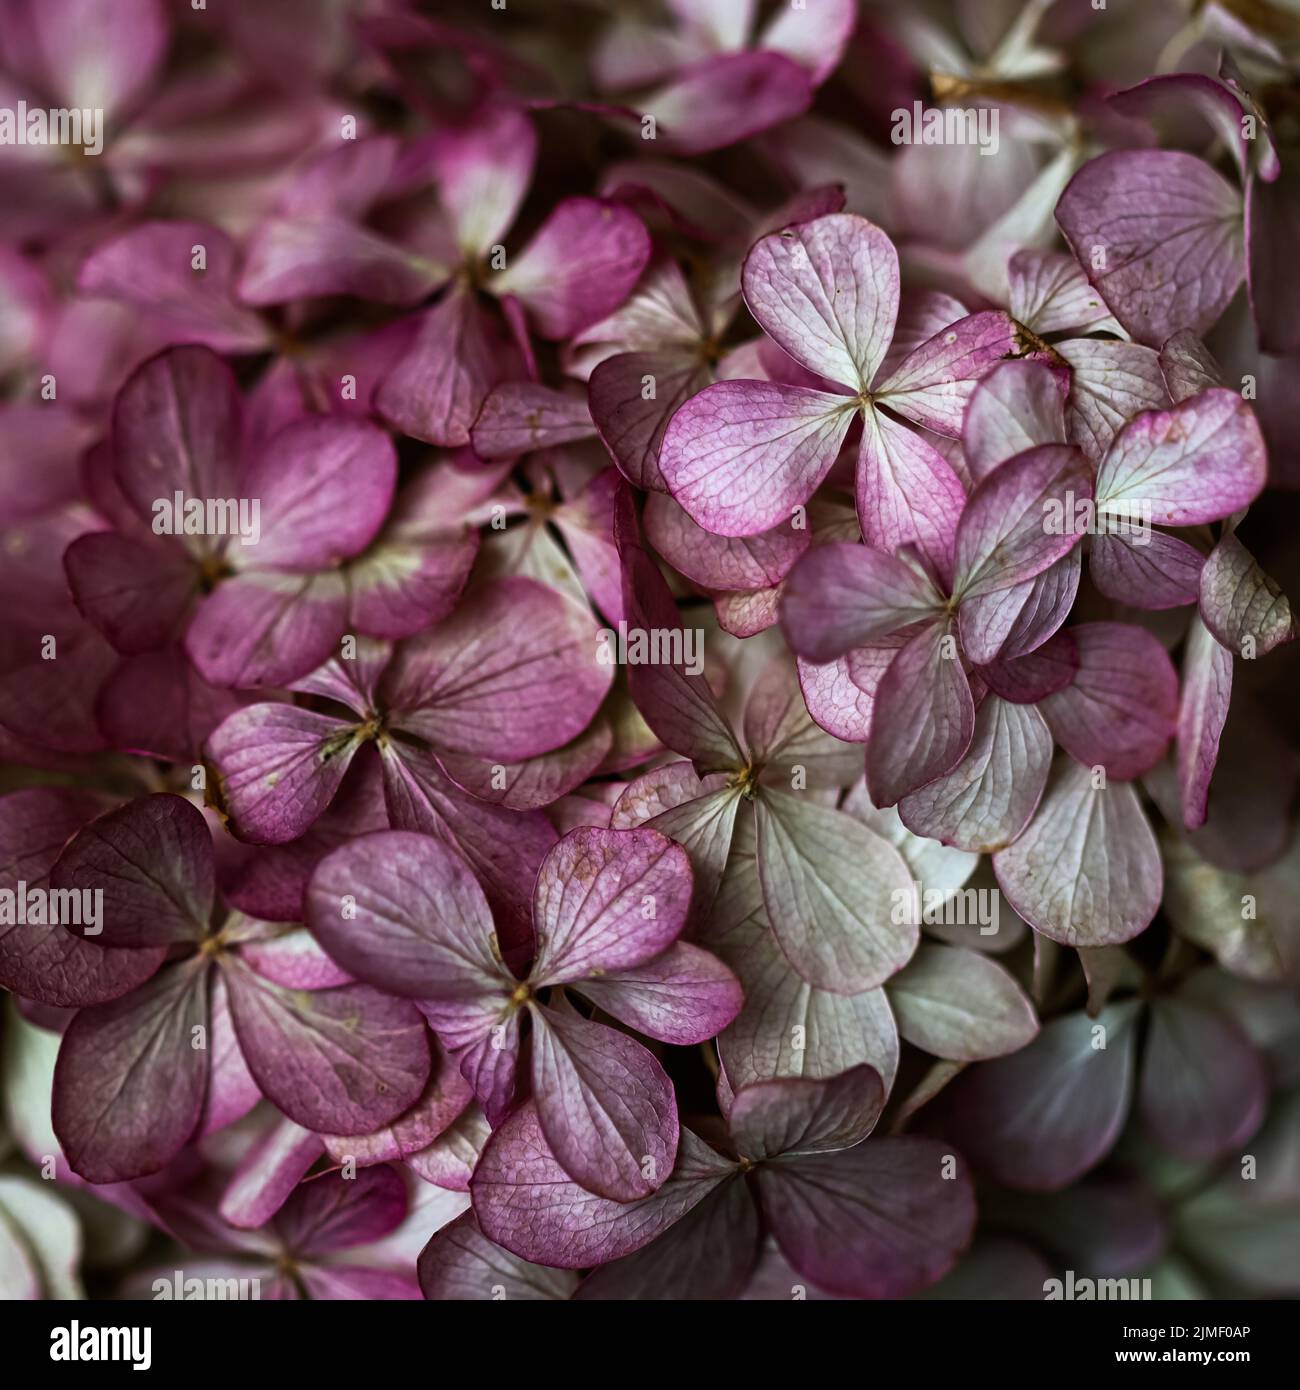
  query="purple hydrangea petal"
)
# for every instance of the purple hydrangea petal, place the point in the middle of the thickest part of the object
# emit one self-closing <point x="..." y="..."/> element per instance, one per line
<point x="683" y="996"/>
<point x="1120" y="710"/>
<point x="462" y="1264"/>
<point x="801" y="1115"/>
<point x="880" y="1220"/>
<point x="1170" y="228"/>
<point x="605" y="1104"/>
<point x="1243" y="608"/>
<point x="130" y="1084"/>
<point x="152" y="861"/>
<point x="1160" y="572"/>
<point x="1202" y="712"/>
<point x="1015" y="407"/>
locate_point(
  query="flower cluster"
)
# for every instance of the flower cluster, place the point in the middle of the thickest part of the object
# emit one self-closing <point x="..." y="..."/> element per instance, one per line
<point x="635" y="654"/>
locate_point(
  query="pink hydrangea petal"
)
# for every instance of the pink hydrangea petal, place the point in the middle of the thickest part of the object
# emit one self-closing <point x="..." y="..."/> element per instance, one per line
<point x="1110" y="382"/>
<point x="841" y="694"/>
<point x="152" y="860"/>
<point x="129" y="1085"/>
<point x="828" y="885"/>
<point x="803" y="1115"/>
<point x="827" y="291"/>
<point x="1198" y="462"/>
<point x="1087" y="870"/>
<point x="152" y="268"/>
<point x="1170" y="227"/>
<point x="525" y="1201"/>
<point x="843" y="596"/>
<point x="49" y="962"/>
<point x="1025" y="680"/>
<point x="580" y="266"/>
<point x="513" y="673"/>
<point x="435" y="391"/>
<point x="924" y="716"/>
<point x="1120" y="710"/>
<point x="741" y="455"/>
<point x="880" y="1220"/>
<point x="1240" y="604"/>
<point x="907" y="492"/>
<point x="606" y="1106"/>
<point x="461" y="1263"/>
<point x="1202" y="712"/>
<point x="404" y="912"/>
<point x="1015" y="407"/>
<point x="339" y="1061"/>
<point x="519" y="417"/>
<point x="1160" y="572"/>
<point x="743" y="563"/>
<point x="985" y="802"/>
<point x="683" y="996"/>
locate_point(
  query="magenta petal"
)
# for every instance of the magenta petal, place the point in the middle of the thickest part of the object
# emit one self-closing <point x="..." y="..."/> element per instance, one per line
<point x="302" y="256"/>
<point x="268" y="1173"/>
<point x="129" y="1084"/>
<point x="1027" y="679"/>
<point x="152" y="267"/>
<point x="907" y="492"/>
<point x="278" y="767"/>
<point x="1110" y="382"/>
<point x="435" y="391"/>
<point x="524" y="1199"/>
<point x="331" y="1212"/>
<point x="339" y="1061"/>
<point x="841" y="694"/>
<point x="1245" y="610"/>
<point x="1020" y="519"/>
<point x="722" y="100"/>
<point x="1198" y="462"/>
<point x="533" y="782"/>
<point x="580" y="266"/>
<point x="1161" y="572"/>
<point x="800" y="1115"/>
<point x="606" y="1106"/>
<point x="504" y="848"/>
<point x="1087" y="870"/>
<point x="325" y="485"/>
<point x="404" y="912"/>
<point x="460" y="1263"/>
<point x="157" y="703"/>
<point x="1041" y="1118"/>
<point x="1016" y="407"/>
<point x="987" y="799"/>
<point x="677" y="703"/>
<point x="843" y="596"/>
<point x="683" y="996"/>
<point x="51" y="963"/>
<point x="1049" y="293"/>
<point x="483" y="171"/>
<point x="608" y="900"/>
<point x="152" y="860"/>
<point x="520" y="417"/>
<point x="743" y="563"/>
<point x="741" y="455"/>
<point x="1047" y="604"/>
<point x="631" y="426"/>
<point x="1170" y="230"/>
<point x="178" y="427"/>
<point x="924" y="716"/>
<point x="933" y="384"/>
<point x="513" y="673"/>
<point x="1202" y="713"/>
<point x="827" y="291"/>
<point x="136" y="594"/>
<point x="263" y="628"/>
<point x="412" y="575"/>
<point x="881" y="1220"/>
<point x="1120" y="710"/>
<point x="444" y="1100"/>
